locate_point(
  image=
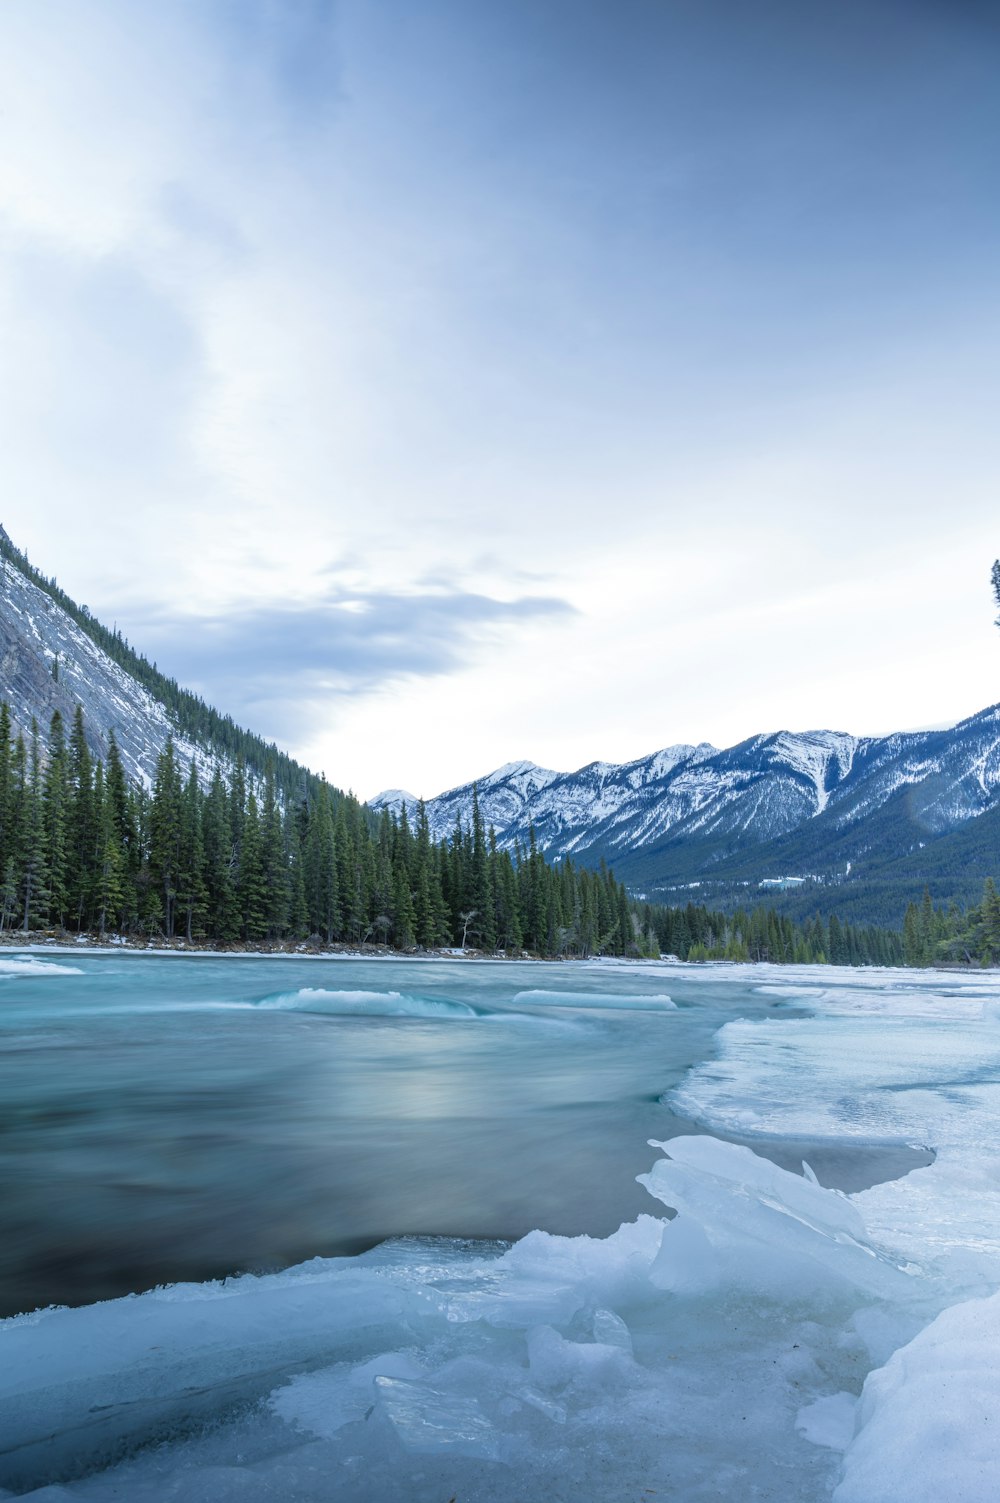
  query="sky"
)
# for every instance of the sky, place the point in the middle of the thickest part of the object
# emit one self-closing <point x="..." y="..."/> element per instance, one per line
<point x="433" y="386"/>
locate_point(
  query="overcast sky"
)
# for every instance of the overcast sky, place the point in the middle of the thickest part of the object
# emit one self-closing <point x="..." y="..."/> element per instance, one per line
<point x="435" y="384"/>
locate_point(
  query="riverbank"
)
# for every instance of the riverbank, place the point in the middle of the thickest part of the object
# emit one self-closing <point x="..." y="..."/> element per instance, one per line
<point x="288" y="949"/>
<point x="38" y="940"/>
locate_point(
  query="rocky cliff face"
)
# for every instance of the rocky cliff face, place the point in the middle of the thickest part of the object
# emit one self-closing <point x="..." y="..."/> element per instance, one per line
<point x="47" y="662"/>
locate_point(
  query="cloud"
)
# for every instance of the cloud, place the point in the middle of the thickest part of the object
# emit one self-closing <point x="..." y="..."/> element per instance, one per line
<point x="271" y="665"/>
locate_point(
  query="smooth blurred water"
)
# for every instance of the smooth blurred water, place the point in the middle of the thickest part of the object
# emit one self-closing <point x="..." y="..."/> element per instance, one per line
<point x="170" y="1118"/>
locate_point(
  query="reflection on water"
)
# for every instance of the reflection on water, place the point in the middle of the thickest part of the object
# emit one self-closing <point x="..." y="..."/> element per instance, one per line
<point x="178" y="1118"/>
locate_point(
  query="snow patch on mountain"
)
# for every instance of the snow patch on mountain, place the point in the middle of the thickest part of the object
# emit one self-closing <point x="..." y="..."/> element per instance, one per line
<point x="393" y="799"/>
<point x="48" y="662"/>
<point x="765" y="788"/>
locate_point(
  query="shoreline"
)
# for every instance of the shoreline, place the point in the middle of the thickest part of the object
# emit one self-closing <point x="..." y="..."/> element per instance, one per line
<point x="39" y="941"/>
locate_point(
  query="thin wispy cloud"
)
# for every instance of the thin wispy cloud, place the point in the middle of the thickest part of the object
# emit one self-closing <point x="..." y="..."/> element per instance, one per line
<point x="275" y="664"/>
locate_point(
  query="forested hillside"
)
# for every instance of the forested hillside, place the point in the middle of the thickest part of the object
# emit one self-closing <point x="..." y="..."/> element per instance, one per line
<point x="84" y="850"/>
<point x="870" y="821"/>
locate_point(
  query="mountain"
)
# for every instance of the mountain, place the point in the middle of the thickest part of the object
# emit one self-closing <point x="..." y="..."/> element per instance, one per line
<point x="868" y="819"/>
<point x="54" y="655"/>
<point x="503" y="797"/>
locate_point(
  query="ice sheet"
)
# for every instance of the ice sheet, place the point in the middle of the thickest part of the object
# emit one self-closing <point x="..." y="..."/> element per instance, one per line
<point x="931" y="1081"/>
<point x="572" y="1367"/>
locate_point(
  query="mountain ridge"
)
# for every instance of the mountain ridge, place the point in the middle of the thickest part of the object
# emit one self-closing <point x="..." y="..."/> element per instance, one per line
<point x="826" y="805"/>
<point x="55" y="654"/>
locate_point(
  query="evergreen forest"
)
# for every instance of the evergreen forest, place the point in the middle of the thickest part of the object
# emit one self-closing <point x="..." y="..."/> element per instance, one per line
<point x="237" y="860"/>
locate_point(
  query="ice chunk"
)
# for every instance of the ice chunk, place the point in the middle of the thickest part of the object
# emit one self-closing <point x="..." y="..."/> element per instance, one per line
<point x="78" y="1386"/>
<point x="431" y="1420"/>
<point x="549" y="1407"/>
<point x="29" y="966"/>
<point x="929" y="1420"/>
<point x="626" y="1001"/>
<point x="611" y="1330"/>
<point x="347" y="1004"/>
<point x="829" y="1421"/>
<point x="596" y="1271"/>
<point x="746" y="1223"/>
<point x="322" y="1403"/>
<point x="556" y="1363"/>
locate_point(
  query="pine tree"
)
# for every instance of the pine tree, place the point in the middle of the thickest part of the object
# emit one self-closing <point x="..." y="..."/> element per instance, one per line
<point x="6" y="790"/>
<point x="275" y="861"/>
<point x="403" y="916"/>
<point x="192" y="893"/>
<point x="33" y="842"/>
<point x="989" y="944"/>
<point x="251" y="887"/>
<point x="222" y="920"/>
<point x="111" y="886"/>
<point x="322" y="874"/>
<point x="165" y="840"/>
<point x="82" y="834"/>
<point x="298" y="915"/>
<point x="55" y="798"/>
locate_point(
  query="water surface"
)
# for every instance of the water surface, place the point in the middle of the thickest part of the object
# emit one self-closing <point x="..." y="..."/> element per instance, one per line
<point x="179" y="1117"/>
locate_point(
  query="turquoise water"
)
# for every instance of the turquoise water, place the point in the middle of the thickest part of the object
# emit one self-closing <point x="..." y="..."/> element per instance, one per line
<point x="178" y="1117"/>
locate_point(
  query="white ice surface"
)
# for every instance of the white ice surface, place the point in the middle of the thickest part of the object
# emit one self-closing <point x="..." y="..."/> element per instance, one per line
<point x="30" y="966"/>
<point x="929" y="1420"/>
<point x="366" y="1004"/>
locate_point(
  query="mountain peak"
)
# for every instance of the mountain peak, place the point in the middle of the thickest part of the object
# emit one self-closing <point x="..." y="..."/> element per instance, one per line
<point x="697" y="811"/>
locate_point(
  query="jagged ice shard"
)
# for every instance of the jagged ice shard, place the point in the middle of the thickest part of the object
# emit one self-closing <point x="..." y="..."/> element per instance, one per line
<point x="773" y="1338"/>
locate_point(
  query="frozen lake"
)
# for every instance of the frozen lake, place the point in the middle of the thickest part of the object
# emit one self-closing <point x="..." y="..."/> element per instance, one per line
<point x="184" y="1118"/>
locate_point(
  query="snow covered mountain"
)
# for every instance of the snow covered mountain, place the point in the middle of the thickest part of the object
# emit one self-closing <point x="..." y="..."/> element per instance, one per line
<point x="55" y="655"/>
<point x="47" y="662"/>
<point x="809" y="802"/>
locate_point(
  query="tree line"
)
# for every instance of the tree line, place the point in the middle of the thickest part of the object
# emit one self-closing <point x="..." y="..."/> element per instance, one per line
<point x="231" y="859"/>
<point x="698" y="933"/>
<point x="228" y="860"/>
<point x="947" y="934"/>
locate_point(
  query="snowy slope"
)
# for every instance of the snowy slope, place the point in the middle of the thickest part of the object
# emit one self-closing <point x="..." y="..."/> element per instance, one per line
<point x="504" y="796"/>
<point x="694" y="807"/>
<point x="33" y="630"/>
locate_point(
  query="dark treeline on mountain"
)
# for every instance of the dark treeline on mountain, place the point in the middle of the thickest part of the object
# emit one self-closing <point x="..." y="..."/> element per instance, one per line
<point x="191" y="716"/>
<point x="232" y="862"/>
<point x="697" y="933"/>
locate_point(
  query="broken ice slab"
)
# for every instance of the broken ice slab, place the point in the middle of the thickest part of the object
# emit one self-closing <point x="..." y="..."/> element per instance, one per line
<point x="611" y="1330"/>
<point x="747" y="1223"/>
<point x="429" y="1420"/>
